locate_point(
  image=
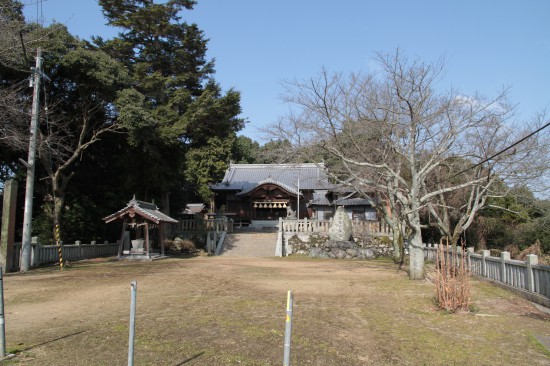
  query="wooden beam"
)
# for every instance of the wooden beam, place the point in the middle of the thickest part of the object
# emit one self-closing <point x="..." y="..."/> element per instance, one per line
<point x="147" y="240"/>
<point x="124" y="224"/>
<point x="161" y="238"/>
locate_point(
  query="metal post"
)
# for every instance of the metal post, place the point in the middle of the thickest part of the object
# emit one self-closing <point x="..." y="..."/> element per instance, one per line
<point x="288" y="328"/>
<point x="29" y="187"/>
<point x="132" y="323"/>
<point x="298" y="202"/>
<point x="2" y="321"/>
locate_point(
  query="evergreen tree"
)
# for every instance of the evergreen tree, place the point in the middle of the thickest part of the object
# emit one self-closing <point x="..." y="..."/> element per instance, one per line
<point x="175" y="109"/>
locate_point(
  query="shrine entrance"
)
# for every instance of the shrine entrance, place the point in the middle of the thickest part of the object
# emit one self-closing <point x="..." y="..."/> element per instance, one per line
<point x="270" y="201"/>
<point x="269" y="210"/>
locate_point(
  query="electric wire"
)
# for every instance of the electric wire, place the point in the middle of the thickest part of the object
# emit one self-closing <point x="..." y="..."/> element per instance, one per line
<point x="496" y="154"/>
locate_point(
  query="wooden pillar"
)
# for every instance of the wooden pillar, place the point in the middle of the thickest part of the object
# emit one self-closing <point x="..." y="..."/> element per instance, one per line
<point x="147" y="239"/>
<point x="161" y="238"/>
<point x="124" y="225"/>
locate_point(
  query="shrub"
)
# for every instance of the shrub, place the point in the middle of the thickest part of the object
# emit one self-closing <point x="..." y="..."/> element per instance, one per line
<point x="179" y="245"/>
<point x="452" y="279"/>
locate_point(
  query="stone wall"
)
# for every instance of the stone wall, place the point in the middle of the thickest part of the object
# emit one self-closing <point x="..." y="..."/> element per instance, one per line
<point x="319" y="245"/>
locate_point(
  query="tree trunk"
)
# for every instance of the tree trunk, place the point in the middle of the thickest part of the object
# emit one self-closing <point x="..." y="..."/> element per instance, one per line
<point x="416" y="257"/>
<point x="58" y="203"/>
<point x="416" y="250"/>
<point x="397" y="244"/>
<point x="59" y="185"/>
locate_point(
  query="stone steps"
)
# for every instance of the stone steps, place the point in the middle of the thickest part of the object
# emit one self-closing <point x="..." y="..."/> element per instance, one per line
<point x="250" y="244"/>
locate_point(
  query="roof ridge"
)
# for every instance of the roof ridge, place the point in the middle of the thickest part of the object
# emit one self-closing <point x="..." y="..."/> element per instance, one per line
<point x="271" y="165"/>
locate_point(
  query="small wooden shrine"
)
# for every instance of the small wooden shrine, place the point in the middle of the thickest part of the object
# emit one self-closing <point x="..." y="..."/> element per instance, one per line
<point x="143" y="219"/>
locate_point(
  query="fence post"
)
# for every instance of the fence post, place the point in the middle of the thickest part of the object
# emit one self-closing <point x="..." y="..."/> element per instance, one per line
<point x="469" y="251"/>
<point x="80" y="249"/>
<point x="504" y="256"/>
<point x="288" y="328"/>
<point x="530" y="261"/>
<point x="484" y="254"/>
<point x="133" y="289"/>
<point x="36" y="250"/>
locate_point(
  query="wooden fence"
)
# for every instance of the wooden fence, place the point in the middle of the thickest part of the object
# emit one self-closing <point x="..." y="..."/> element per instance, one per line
<point x="41" y="254"/>
<point x="525" y="275"/>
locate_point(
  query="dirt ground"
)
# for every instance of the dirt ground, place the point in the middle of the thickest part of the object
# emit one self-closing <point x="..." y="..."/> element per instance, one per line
<point x="231" y="311"/>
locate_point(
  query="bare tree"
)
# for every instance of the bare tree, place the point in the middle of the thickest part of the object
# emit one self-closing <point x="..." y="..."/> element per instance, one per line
<point x="393" y="132"/>
<point x="14" y="110"/>
<point x="520" y="159"/>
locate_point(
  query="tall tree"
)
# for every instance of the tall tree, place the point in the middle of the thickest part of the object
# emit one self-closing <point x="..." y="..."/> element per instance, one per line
<point x="175" y="106"/>
<point x="245" y="150"/>
<point x="18" y="42"/>
<point x="77" y="109"/>
<point x="85" y="82"/>
<point x="394" y="133"/>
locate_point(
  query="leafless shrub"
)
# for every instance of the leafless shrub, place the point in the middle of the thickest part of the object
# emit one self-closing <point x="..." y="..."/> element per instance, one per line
<point x="452" y="279"/>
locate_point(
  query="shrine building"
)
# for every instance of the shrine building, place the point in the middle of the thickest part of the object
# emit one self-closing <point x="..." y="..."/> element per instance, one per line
<point x="267" y="192"/>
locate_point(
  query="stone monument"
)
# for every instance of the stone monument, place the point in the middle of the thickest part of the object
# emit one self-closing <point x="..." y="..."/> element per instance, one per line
<point x="341" y="228"/>
<point x="8" y="225"/>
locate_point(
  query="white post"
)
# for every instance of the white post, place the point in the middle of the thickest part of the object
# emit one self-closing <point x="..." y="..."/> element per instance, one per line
<point x="484" y="254"/>
<point x="504" y="256"/>
<point x="530" y="261"/>
<point x="279" y="246"/>
<point x="469" y="251"/>
<point x="288" y="328"/>
<point x="133" y="295"/>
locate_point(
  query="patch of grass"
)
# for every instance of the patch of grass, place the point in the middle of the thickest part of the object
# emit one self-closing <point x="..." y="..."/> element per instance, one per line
<point x="120" y="328"/>
<point x="536" y="344"/>
<point x="227" y="311"/>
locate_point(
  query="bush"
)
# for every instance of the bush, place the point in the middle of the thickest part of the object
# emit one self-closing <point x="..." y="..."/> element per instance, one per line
<point x="452" y="279"/>
<point x="182" y="246"/>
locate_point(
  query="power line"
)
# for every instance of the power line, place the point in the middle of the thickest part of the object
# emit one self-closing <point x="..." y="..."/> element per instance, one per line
<point x="496" y="154"/>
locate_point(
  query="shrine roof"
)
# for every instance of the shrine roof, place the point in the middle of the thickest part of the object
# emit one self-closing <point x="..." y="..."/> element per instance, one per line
<point x="246" y="177"/>
<point x="320" y="199"/>
<point x="193" y="208"/>
<point x="146" y="210"/>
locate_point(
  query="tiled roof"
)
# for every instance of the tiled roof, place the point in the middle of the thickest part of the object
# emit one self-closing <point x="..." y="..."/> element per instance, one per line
<point x="270" y="181"/>
<point x="146" y="210"/>
<point x="351" y="202"/>
<point x="246" y="177"/>
<point x="193" y="208"/>
<point x="320" y="199"/>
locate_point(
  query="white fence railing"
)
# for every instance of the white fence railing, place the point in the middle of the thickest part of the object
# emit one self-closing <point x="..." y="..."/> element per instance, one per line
<point x="525" y="275"/>
<point x="216" y="224"/>
<point x="50" y="253"/>
<point x="322" y="226"/>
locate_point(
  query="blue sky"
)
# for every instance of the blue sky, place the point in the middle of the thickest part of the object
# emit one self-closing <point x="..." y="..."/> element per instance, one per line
<point x="257" y="44"/>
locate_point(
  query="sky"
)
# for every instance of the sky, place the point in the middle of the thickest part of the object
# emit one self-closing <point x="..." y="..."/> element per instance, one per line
<point x="488" y="45"/>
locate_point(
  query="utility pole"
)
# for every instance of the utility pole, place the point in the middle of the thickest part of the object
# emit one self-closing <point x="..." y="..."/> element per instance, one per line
<point x="29" y="188"/>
